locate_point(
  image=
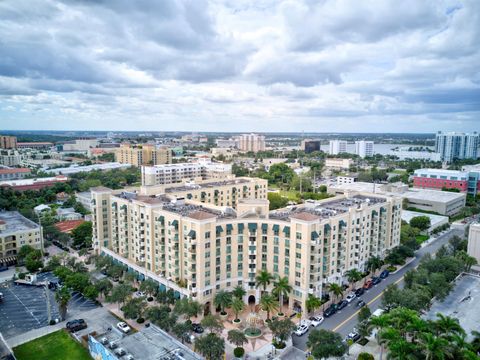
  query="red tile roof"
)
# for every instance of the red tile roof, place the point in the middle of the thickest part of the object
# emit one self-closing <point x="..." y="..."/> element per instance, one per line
<point x="14" y="171"/>
<point x="68" y="225"/>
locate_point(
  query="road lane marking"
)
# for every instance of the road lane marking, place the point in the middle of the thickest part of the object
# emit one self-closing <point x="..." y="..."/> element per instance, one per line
<point x="369" y="303"/>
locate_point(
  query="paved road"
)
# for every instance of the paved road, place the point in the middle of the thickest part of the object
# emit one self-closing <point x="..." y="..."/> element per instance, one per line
<point x="345" y="320"/>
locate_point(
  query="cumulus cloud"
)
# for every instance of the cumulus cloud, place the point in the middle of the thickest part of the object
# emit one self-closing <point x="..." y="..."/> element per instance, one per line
<point x="252" y="65"/>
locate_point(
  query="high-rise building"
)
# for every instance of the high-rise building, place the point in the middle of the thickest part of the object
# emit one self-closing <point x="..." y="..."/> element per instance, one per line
<point x="337" y="147"/>
<point x="310" y="146"/>
<point x="8" y="142"/>
<point x="454" y="145"/>
<point x="199" y="249"/>
<point x="364" y="148"/>
<point x="474" y="241"/>
<point x="146" y="154"/>
<point x="251" y="142"/>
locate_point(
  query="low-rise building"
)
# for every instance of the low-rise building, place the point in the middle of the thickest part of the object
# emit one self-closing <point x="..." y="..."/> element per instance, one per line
<point x="16" y="231"/>
<point x="68" y="214"/>
<point x="347" y="179"/>
<point x="338" y="164"/>
<point x="74" y="169"/>
<point x="441" y="179"/>
<point x="10" y="158"/>
<point x="33" y="184"/>
<point x="474" y="241"/>
<point x="226" y="143"/>
<point x="435" y="220"/>
<point x="14" y="173"/>
<point x="404" y="154"/>
<point x="84" y="144"/>
<point x="84" y="198"/>
<point x="34" y="145"/>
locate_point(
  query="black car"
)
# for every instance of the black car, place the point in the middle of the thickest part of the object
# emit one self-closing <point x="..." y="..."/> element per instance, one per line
<point x="197" y="328"/>
<point x="384" y="274"/>
<point x="342" y="304"/>
<point x="376" y="280"/>
<point x="332" y="309"/>
<point x="360" y="303"/>
<point x="360" y="291"/>
<point x="76" y="325"/>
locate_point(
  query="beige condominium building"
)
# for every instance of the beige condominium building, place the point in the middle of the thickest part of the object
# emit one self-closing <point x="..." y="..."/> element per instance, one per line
<point x="8" y="142"/>
<point x="198" y="249"/>
<point x="251" y="142"/>
<point x="474" y="241"/>
<point x="16" y="231"/>
<point x="146" y="154"/>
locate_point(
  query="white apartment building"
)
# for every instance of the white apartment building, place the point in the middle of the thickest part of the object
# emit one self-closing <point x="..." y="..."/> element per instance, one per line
<point x="227" y="143"/>
<point x="80" y="145"/>
<point x="364" y="148"/>
<point x="337" y="147"/>
<point x="404" y="153"/>
<point x="176" y="173"/>
<point x="10" y="158"/>
<point x="251" y="142"/>
<point x="474" y="241"/>
<point x="199" y="249"/>
<point x="16" y="231"/>
<point x="453" y="145"/>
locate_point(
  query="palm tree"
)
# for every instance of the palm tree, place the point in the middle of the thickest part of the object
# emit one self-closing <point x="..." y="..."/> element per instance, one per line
<point x="264" y="278"/>
<point x="312" y="303"/>
<point x="374" y="263"/>
<point x="353" y="275"/>
<point x="239" y="292"/>
<point x="237" y="337"/>
<point x="281" y="288"/>
<point x="223" y="299"/>
<point x="447" y="326"/>
<point x="237" y="306"/>
<point x="211" y="346"/>
<point x="62" y="297"/>
<point x="434" y="347"/>
<point x="379" y="322"/>
<point x="336" y="290"/>
<point x="268" y="303"/>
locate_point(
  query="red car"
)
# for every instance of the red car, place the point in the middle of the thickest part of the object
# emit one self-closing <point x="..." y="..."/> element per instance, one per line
<point x="368" y="284"/>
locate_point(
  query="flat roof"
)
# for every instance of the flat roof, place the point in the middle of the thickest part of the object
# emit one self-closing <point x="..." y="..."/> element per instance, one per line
<point x="208" y="185"/>
<point x="462" y="303"/>
<point x="15" y="221"/>
<point x="435" y="195"/>
<point x="408" y="215"/>
<point x="15" y="171"/>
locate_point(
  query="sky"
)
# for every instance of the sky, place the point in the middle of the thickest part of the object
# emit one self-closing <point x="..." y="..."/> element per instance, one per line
<point x="233" y="65"/>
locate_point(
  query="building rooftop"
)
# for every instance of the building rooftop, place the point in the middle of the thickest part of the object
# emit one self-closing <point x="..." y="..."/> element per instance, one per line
<point x="207" y="185"/>
<point x="433" y="195"/>
<point x="198" y="212"/>
<point x="15" y="221"/>
<point x="15" y="171"/>
<point x="462" y="303"/>
<point x="68" y="225"/>
<point x="440" y="172"/>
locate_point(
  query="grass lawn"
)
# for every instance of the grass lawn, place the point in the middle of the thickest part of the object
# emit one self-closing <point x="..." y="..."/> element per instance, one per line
<point x="290" y="195"/>
<point x="55" y="346"/>
<point x="421" y="238"/>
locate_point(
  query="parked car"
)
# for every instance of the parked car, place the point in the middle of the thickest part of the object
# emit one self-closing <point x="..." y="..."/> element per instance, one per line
<point x="112" y="345"/>
<point x="368" y="284"/>
<point x="384" y="274"/>
<point x="376" y="280"/>
<point x="76" y="325"/>
<point x="301" y="329"/>
<point x="122" y="326"/>
<point x="360" y="303"/>
<point x="1" y="297"/>
<point x="316" y="320"/>
<point x="332" y="309"/>
<point x="197" y="328"/>
<point x="120" y="352"/>
<point x="350" y="297"/>
<point x="306" y="322"/>
<point x="342" y="304"/>
<point x="354" y="335"/>
<point x="359" y="291"/>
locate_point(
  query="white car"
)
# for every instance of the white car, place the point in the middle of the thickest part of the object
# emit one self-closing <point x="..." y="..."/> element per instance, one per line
<point x="140" y="294"/>
<point x="350" y="297"/>
<point x="123" y="327"/>
<point x="306" y="322"/>
<point x="316" y="320"/>
<point x="301" y="329"/>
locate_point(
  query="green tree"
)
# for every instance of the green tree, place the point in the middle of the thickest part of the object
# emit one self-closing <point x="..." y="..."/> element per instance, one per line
<point x="324" y="344"/>
<point x="374" y="263"/>
<point x="149" y="287"/>
<point x="268" y="304"/>
<point x="187" y="307"/>
<point x="62" y="296"/>
<point x="364" y="314"/>
<point x="161" y="316"/>
<point x="33" y="261"/>
<point x="212" y="323"/>
<point x="433" y="347"/>
<point x="446" y="326"/>
<point x="365" y="356"/>
<point x="133" y="308"/>
<point x="237" y="306"/>
<point x="280" y="174"/>
<point x="24" y="251"/>
<point x="312" y="303"/>
<point x="237" y="337"/>
<point x="223" y="300"/>
<point x="281" y="288"/>
<point x="336" y="290"/>
<point x="182" y="331"/>
<point x="104" y="286"/>
<point x="281" y="330"/>
<point x="420" y="222"/>
<point x="263" y="279"/>
<point x="90" y="292"/>
<point x="353" y="275"/>
<point x="211" y="346"/>
<point x="120" y="293"/>
<point x="239" y="292"/>
<point x="276" y="200"/>
<point x="82" y="235"/>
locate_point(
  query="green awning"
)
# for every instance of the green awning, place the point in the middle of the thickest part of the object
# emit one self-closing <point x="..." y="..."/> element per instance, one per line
<point x="327" y="227"/>
<point x="252" y="226"/>
<point x="219" y="229"/>
<point x="265" y="227"/>
<point x="382" y="210"/>
<point x="161" y="218"/>
<point x="192" y="234"/>
<point x="229" y="227"/>
<point x="174" y="223"/>
<point x="286" y="230"/>
<point x="342" y="223"/>
<point x="314" y="235"/>
<point x="240" y="228"/>
<point x="276" y="227"/>
<point x="374" y="213"/>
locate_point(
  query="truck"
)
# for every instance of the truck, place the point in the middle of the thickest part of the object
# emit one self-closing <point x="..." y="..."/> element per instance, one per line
<point x="31" y="279"/>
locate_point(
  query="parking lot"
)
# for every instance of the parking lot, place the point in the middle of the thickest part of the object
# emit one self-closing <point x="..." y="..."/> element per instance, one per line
<point x="25" y="307"/>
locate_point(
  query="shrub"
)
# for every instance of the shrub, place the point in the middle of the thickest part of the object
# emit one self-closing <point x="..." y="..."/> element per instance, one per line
<point x="279" y="344"/>
<point x="238" y="352"/>
<point x="150" y="298"/>
<point x="22" y="276"/>
<point x="365" y="356"/>
<point x="140" y="320"/>
<point x="52" y="322"/>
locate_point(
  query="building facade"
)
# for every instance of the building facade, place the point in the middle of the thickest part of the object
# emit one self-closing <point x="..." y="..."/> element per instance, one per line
<point x="474" y="241"/>
<point x="464" y="181"/>
<point x="35" y="145"/>
<point x="338" y="164"/>
<point x="8" y="142"/>
<point x="147" y="154"/>
<point x="16" y="231"/>
<point x="337" y="147"/>
<point x="454" y="145"/>
<point x="364" y="148"/>
<point x="251" y="142"/>
<point x="176" y="173"/>
<point x="10" y="158"/>
<point x="198" y="249"/>
<point x="13" y="174"/>
<point x="310" y="146"/>
<point x="80" y="144"/>
<point x="404" y="153"/>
